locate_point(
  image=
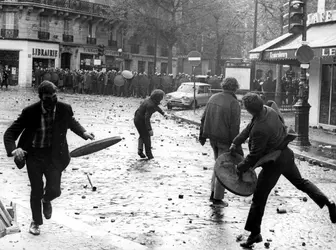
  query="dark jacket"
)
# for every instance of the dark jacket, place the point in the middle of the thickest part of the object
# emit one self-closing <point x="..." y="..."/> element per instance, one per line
<point x="145" y="111"/>
<point x="29" y="121"/>
<point x="266" y="132"/>
<point x="221" y="118"/>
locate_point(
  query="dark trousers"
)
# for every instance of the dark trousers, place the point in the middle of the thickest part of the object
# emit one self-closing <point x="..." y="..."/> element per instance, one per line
<point x="144" y="137"/>
<point x="268" y="178"/>
<point x="39" y="163"/>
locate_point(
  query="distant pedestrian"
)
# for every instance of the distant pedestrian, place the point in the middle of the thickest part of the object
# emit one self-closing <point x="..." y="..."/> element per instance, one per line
<point x="142" y="121"/>
<point x="5" y="77"/>
<point x="220" y="123"/>
<point x="267" y="133"/>
<point x="43" y="127"/>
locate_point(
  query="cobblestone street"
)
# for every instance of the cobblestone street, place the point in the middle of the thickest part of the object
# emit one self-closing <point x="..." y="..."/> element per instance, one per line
<point x="160" y="204"/>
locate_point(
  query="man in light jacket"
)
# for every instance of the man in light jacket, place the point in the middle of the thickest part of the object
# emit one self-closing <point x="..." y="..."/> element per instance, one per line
<point x="220" y="123"/>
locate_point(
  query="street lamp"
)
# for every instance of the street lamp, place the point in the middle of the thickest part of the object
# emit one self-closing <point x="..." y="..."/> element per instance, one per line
<point x="119" y="54"/>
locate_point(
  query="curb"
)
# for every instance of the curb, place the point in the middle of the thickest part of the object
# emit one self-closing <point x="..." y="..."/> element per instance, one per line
<point x="318" y="161"/>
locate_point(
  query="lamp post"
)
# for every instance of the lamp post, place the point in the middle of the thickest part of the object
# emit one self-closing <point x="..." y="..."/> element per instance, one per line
<point x="302" y="106"/>
<point x="120" y="55"/>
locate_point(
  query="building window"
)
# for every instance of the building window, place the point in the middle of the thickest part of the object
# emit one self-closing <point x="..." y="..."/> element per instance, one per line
<point x="10" y="20"/>
<point x="44" y="23"/>
<point x="135" y="48"/>
<point x="141" y="66"/>
<point x="164" y="67"/>
<point x="90" y="29"/>
<point x="67" y="27"/>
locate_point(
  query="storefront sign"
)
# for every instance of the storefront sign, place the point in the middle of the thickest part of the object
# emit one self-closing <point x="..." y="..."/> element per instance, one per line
<point x="109" y="52"/>
<point x="329" y="52"/>
<point x="91" y="50"/>
<point x="278" y="55"/>
<point x="327" y="16"/>
<point x="254" y="56"/>
<point x="45" y="52"/>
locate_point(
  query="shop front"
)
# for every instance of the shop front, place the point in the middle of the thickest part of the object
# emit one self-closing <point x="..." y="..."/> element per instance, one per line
<point x="87" y="58"/>
<point x="9" y="62"/>
<point x="321" y="37"/>
<point x="21" y="57"/>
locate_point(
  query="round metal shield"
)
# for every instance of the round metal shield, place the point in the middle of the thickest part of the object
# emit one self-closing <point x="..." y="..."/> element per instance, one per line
<point x="127" y="74"/>
<point x="225" y="171"/>
<point x="95" y="146"/>
<point x="119" y="80"/>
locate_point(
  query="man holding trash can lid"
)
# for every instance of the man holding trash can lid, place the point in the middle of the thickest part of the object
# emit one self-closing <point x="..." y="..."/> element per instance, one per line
<point x="43" y="145"/>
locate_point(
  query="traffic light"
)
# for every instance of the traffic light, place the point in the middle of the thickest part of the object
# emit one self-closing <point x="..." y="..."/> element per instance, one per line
<point x="101" y="50"/>
<point x="295" y="16"/>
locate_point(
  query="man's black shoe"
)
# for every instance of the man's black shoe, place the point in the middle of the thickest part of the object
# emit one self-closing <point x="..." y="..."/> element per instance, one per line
<point x="332" y="212"/>
<point x="47" y="209"/>
<point x="142" y="155"/>
<point x="34" y="228"/>
<point x="251" y="240"/>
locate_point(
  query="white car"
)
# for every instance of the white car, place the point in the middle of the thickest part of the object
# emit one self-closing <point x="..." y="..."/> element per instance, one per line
<point x="184" y="96"/>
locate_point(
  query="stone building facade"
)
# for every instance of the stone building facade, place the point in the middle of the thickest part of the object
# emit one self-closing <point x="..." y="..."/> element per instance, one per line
<point x="67" y="34"/>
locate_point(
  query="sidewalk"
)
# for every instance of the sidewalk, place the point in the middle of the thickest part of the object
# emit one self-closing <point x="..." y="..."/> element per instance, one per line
<point x="322" y="151"/>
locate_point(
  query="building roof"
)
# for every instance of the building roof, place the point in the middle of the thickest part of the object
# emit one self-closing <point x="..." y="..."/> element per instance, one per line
<point x="319" y="35"/>
<point x="271" y="43"/>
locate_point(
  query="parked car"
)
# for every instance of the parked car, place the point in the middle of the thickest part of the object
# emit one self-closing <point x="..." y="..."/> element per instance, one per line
<point x="184" y="96"/>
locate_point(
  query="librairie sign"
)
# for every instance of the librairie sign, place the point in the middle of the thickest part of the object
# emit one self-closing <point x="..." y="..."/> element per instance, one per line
<point x="44" y="52"/>
<point x="327" y="16"/>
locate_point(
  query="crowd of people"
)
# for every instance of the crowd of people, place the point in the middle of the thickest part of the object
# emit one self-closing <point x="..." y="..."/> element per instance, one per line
<point x="104" y="82"/>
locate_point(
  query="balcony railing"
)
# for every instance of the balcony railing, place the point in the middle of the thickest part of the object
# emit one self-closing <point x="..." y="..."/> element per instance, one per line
<point x="68" y="38"/>
<point x="74" y="5"/>
<point x="9" y="33"/>
<point x="43" y="35"/>
<point x="150" y="50"/>
<point x="91" y="40"/>
<point x="113" y="43"/>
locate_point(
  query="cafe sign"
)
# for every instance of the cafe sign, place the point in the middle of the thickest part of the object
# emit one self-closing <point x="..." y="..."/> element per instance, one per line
<point x="91" y="50"/>
<point x="323" y="17"/>
<point x="45" y="52"/>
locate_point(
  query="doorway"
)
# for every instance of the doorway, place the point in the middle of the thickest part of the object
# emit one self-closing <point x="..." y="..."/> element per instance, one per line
<point x="328" y="95"/>
<point x="66" y="60"/>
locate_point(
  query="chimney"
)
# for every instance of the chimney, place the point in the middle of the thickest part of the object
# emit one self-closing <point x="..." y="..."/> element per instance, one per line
<point x="321" y="6"/>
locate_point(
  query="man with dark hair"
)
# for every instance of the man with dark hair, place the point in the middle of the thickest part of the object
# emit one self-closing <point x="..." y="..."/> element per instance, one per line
<point x="142" y="121"/>
<point x="220" y="123"/>
<point x="43" y="145"/>
<point x="267" y="133"/>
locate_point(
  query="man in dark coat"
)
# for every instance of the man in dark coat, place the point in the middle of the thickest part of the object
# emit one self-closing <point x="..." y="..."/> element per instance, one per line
<point x="43" y="144"/>
<point x="142" y="121"/>
<point x="220" y="123"/>
<point x="267" y="133"/>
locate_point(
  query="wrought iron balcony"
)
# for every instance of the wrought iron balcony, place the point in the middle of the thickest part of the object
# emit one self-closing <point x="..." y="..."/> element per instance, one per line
<point x="43" y="35"/>
<point x="113" y="43"/>
<point x="77" y="6"/>
<point x="91" y="40"/>
<point x="9" y="33"/>
<point x="68" y="38"/>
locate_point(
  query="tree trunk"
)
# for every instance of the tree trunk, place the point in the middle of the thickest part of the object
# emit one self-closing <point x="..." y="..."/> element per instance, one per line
<point x="218" y="69"/>
<point x="170" y="59"/>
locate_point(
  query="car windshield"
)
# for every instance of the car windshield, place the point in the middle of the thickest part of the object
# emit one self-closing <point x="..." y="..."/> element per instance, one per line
<point x="186" y="88"/>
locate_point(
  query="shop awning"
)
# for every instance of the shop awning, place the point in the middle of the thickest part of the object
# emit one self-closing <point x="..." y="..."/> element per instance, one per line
<point x="256" y="53"/>
<point x="320" y="37"/>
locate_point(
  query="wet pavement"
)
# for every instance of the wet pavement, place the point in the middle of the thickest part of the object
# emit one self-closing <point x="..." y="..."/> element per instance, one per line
<point x="160" y="204"/>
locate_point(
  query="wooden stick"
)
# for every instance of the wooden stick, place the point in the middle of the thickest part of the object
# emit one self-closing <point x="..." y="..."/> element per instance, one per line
<point x="5" y="213"/>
